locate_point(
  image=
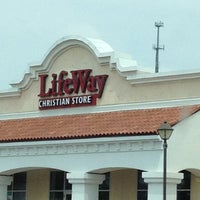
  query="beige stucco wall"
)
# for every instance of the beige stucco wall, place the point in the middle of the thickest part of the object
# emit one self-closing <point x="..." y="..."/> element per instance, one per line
<point x="117" y="89"/>
<point x="195" y="187"/>
<point x="123" y="185"/>
<point x="73" y="59"/>
<point x="38" y="184"/>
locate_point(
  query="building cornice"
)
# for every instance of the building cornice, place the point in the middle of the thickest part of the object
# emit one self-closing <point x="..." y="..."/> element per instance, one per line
<point x="81" y="146"/>
<point x="163" y="77"/>
<point x="12" y="92"/>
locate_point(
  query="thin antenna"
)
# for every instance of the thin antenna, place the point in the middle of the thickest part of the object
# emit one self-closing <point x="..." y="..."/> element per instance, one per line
<point x="158" y="47"/>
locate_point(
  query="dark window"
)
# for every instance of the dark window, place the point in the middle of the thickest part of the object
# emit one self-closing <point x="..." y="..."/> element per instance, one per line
<point x="183" y="189"/>
<point x="104" y="188"/>
<point x="60" y="188"/>
<point x="142" y="189"/>
<point x="17" y="190"/>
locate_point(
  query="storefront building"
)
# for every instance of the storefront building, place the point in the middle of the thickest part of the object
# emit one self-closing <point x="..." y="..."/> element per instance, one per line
<point x="82" y="125"/>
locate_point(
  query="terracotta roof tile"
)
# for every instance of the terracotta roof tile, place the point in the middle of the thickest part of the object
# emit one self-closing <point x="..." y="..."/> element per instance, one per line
<point x="119" y="123"/>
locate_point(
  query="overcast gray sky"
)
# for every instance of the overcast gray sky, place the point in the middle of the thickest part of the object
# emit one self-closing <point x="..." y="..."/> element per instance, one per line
<point x="29" y="28"/>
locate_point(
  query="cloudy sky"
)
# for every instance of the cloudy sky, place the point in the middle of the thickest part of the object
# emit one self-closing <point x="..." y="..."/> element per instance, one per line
<point x="29" y="28"/>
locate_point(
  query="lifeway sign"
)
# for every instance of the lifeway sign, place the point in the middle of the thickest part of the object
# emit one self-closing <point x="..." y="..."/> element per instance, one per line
<point x="71" y="89"/>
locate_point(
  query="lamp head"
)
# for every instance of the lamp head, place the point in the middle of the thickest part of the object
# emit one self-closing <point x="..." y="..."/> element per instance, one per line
<point x="165" y="131"/>
<point x="159" y="24"/>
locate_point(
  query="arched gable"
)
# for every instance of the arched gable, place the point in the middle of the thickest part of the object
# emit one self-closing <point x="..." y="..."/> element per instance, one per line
<point x="103" y="52"/>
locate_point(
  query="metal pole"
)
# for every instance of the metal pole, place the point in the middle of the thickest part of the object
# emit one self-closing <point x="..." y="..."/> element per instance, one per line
<point x="157" y="47"/>
<point x="164" y="169"/>
<point x="157" y="52"/>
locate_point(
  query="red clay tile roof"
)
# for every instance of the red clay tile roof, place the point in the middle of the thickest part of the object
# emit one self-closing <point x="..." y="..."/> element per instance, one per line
<point x="118" y="123"/>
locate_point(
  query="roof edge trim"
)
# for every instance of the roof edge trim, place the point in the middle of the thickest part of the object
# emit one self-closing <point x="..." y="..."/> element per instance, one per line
<point x="164" y="76"/>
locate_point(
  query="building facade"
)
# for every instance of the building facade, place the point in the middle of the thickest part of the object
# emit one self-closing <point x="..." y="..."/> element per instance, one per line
<point x="82" y="125"/>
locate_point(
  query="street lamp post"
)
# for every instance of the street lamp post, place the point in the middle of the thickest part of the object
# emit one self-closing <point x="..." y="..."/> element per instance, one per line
<point x="165" y="131"/>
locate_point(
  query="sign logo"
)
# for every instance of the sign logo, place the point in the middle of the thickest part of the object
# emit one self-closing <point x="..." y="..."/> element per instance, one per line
<point x="65" y="88"/>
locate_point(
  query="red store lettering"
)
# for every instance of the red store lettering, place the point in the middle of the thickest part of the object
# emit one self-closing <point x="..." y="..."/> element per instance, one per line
<point x="81" y="80"/>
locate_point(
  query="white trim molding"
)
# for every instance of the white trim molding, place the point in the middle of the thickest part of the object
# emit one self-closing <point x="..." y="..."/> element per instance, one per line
<point x="163" y="76"/>
<point x="81" y="146"/>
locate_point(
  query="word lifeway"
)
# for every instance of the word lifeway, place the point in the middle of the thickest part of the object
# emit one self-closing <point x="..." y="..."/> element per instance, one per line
<point x="80" y="80"/>
<point x="65" y="86"/>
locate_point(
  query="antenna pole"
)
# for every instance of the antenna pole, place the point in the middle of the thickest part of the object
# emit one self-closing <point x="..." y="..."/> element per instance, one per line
<point x="157" y="48"/>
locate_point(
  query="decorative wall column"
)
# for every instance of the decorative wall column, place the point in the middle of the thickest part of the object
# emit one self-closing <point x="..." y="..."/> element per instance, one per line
<point x="85" y="186"/>
<point x="4" y="182"/>
<point x="155" y="184"/>
<point x="195" y="187"/>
